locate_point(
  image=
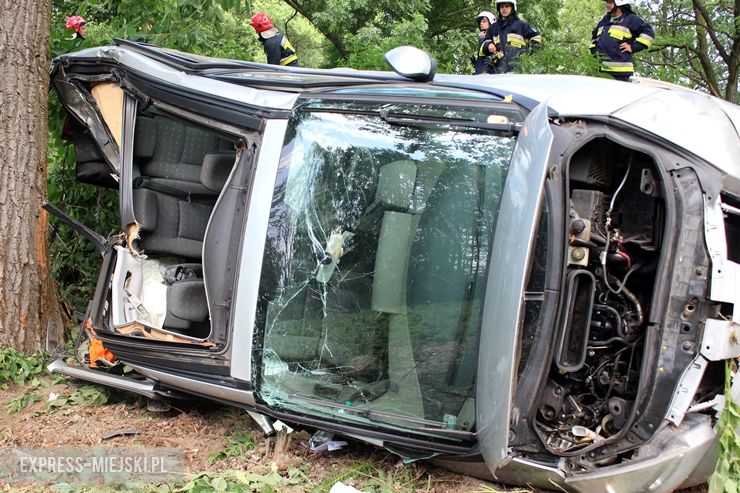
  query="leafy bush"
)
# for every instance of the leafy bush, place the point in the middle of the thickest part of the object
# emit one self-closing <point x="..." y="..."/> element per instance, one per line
<point x="17" y="368"/>
<point x="237" y="447"/>
<point x="20" y="402"/>
<point x="87" y="395"/>
<point x="726" y="477"/>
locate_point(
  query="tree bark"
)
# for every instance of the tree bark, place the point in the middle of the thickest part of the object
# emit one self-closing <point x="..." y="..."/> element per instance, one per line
<point x="28" y="298"/>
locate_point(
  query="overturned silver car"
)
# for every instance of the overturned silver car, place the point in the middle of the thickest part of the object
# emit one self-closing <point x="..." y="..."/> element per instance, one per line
<point x="527" y="278"/>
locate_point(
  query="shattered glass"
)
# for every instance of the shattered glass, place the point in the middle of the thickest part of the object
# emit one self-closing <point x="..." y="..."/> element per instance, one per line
<point x="374" y="265"/>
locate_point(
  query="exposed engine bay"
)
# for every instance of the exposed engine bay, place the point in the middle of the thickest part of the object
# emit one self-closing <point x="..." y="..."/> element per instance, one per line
<point x="615" y="226"/>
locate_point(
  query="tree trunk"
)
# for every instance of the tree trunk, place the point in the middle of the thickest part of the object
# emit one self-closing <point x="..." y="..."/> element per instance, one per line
<point x="28" y="298"/>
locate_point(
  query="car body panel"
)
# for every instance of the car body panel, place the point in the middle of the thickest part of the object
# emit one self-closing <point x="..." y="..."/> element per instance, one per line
<point x="647" y="171"/>
<point x="515" y="230"/>
<point x="156" y="70"/>
<point x="251" y="255"/>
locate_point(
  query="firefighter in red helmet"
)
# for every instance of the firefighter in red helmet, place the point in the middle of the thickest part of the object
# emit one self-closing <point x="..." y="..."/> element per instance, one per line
<point x="278" y="49"/>
<point x="77" y="24"/>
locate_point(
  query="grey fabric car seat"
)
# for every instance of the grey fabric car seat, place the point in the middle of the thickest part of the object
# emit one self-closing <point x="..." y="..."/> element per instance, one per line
<point x="169" y="225"/>
<point x="187" y="308"/>
<point x="171" y="153"/>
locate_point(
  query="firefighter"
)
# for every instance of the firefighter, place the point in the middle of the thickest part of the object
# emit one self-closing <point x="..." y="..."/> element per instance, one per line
<point x="278" y="49"/>
<point x="78" y="25"/>
<point x="617" y="36"/>
<point x="481" y="62"/>
<point x="508" y="38"/>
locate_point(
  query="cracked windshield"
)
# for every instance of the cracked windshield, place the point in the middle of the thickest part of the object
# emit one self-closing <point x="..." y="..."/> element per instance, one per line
<point x="375" y="263"/>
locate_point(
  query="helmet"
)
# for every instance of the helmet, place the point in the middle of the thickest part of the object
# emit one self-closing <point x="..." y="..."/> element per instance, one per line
<point x="624" y="4"/>
<point x="500" y="2"/>
<point x="75" y="22"/>
<point x="261" y="22"/>
<point x="485" y="15"/>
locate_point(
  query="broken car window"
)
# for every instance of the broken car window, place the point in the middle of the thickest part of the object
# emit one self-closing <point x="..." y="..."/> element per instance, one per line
<point x="375" y="264"/>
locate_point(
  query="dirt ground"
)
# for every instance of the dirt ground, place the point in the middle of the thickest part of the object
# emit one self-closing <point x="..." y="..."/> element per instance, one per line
<point x="199" y="429"/>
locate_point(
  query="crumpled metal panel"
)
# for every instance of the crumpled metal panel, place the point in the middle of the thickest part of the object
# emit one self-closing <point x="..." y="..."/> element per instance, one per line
<point x="725" y="273"/>
<point x="691" y="120"/>
<point x="159" y="71"/>
<point x="721" y="340"/>
<point x="502" y="314"/>
<point x="671" y="460"/>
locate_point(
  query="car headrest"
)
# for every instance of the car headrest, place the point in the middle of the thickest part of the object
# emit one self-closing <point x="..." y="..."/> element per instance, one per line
<point x="215" y="170"/>
<point x="145" y="209"/>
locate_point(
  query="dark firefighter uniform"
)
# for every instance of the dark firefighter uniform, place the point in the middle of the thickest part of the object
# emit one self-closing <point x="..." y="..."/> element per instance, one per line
<point x="278" y="49"/>
<point x="512" y="36"/>
<point x="482" y="63"/>
<point x="611" y="32"/>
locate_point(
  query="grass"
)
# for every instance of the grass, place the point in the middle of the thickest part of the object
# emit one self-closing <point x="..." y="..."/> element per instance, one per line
<point x="237" y="445"/>
<point x="368" y="474"/>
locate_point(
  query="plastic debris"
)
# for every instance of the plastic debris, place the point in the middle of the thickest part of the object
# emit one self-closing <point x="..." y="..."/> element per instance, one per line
<point x="340" y="487"/>
<point x="280" y="426"/>
<point x="323" y="441"/>
<point x="120" y="433"/>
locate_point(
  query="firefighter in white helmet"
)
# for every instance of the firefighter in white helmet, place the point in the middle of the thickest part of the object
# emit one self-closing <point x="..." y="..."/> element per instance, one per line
<point x="618" y="35"/>
<point x="508" y="38"/>
<point x="481" y="62"/>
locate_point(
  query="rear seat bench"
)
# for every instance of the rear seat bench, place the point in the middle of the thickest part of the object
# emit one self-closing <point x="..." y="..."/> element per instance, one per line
<point x="182" y="169"/>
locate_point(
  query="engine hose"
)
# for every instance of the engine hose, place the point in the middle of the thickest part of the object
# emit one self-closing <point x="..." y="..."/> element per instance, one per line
<point x="583" y="243"/>
<point x="598" y="239"/>
<point x="602" y="256"/>
<point x="623" y="289"/>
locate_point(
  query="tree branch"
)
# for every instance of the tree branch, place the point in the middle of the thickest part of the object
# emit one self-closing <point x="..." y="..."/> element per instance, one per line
<point x="701" y="13"/>
<point x="332" y="37"/>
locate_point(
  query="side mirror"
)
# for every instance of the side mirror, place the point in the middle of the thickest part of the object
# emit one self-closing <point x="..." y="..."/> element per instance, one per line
<point x="411" y="63"/>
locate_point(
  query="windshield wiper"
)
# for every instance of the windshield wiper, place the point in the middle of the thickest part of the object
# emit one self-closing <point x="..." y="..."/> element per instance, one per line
<point x="422" y="425"/>
<point x="405" y="119"/>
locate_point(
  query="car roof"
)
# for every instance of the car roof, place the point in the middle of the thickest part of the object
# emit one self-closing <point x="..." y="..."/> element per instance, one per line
<point x="701" y="124"/>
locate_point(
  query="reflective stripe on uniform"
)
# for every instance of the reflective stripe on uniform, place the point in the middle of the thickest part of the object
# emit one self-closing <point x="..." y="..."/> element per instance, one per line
<point x="516" y="40"/>
<point x="287" y="46"/>
<point x="608" y="66"/>
<point x="599" y="31"/>
<point x="645" y="39"/>
<point x="289" y="59"/>
<point x="619" y="32"/>
<point x="536" y="39"/>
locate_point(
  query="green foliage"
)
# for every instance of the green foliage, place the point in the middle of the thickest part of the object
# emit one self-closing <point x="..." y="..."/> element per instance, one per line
<point x="20" y="402"/>
<point x="17" y="368"/>
<point x="242" y="481"/>
<point x="87" y="395"/>
<point x="75" y="261"/>
<point x="367" y="475"/>
<point x="237" y="446"/>
<point x="565" y="49"/>
<point x="369" y="44"/>
<point x="726" y="477"/>
<point x="697" y="45"/>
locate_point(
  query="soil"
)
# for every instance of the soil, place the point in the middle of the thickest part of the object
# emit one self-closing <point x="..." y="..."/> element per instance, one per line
<point x="199" y="429"/>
